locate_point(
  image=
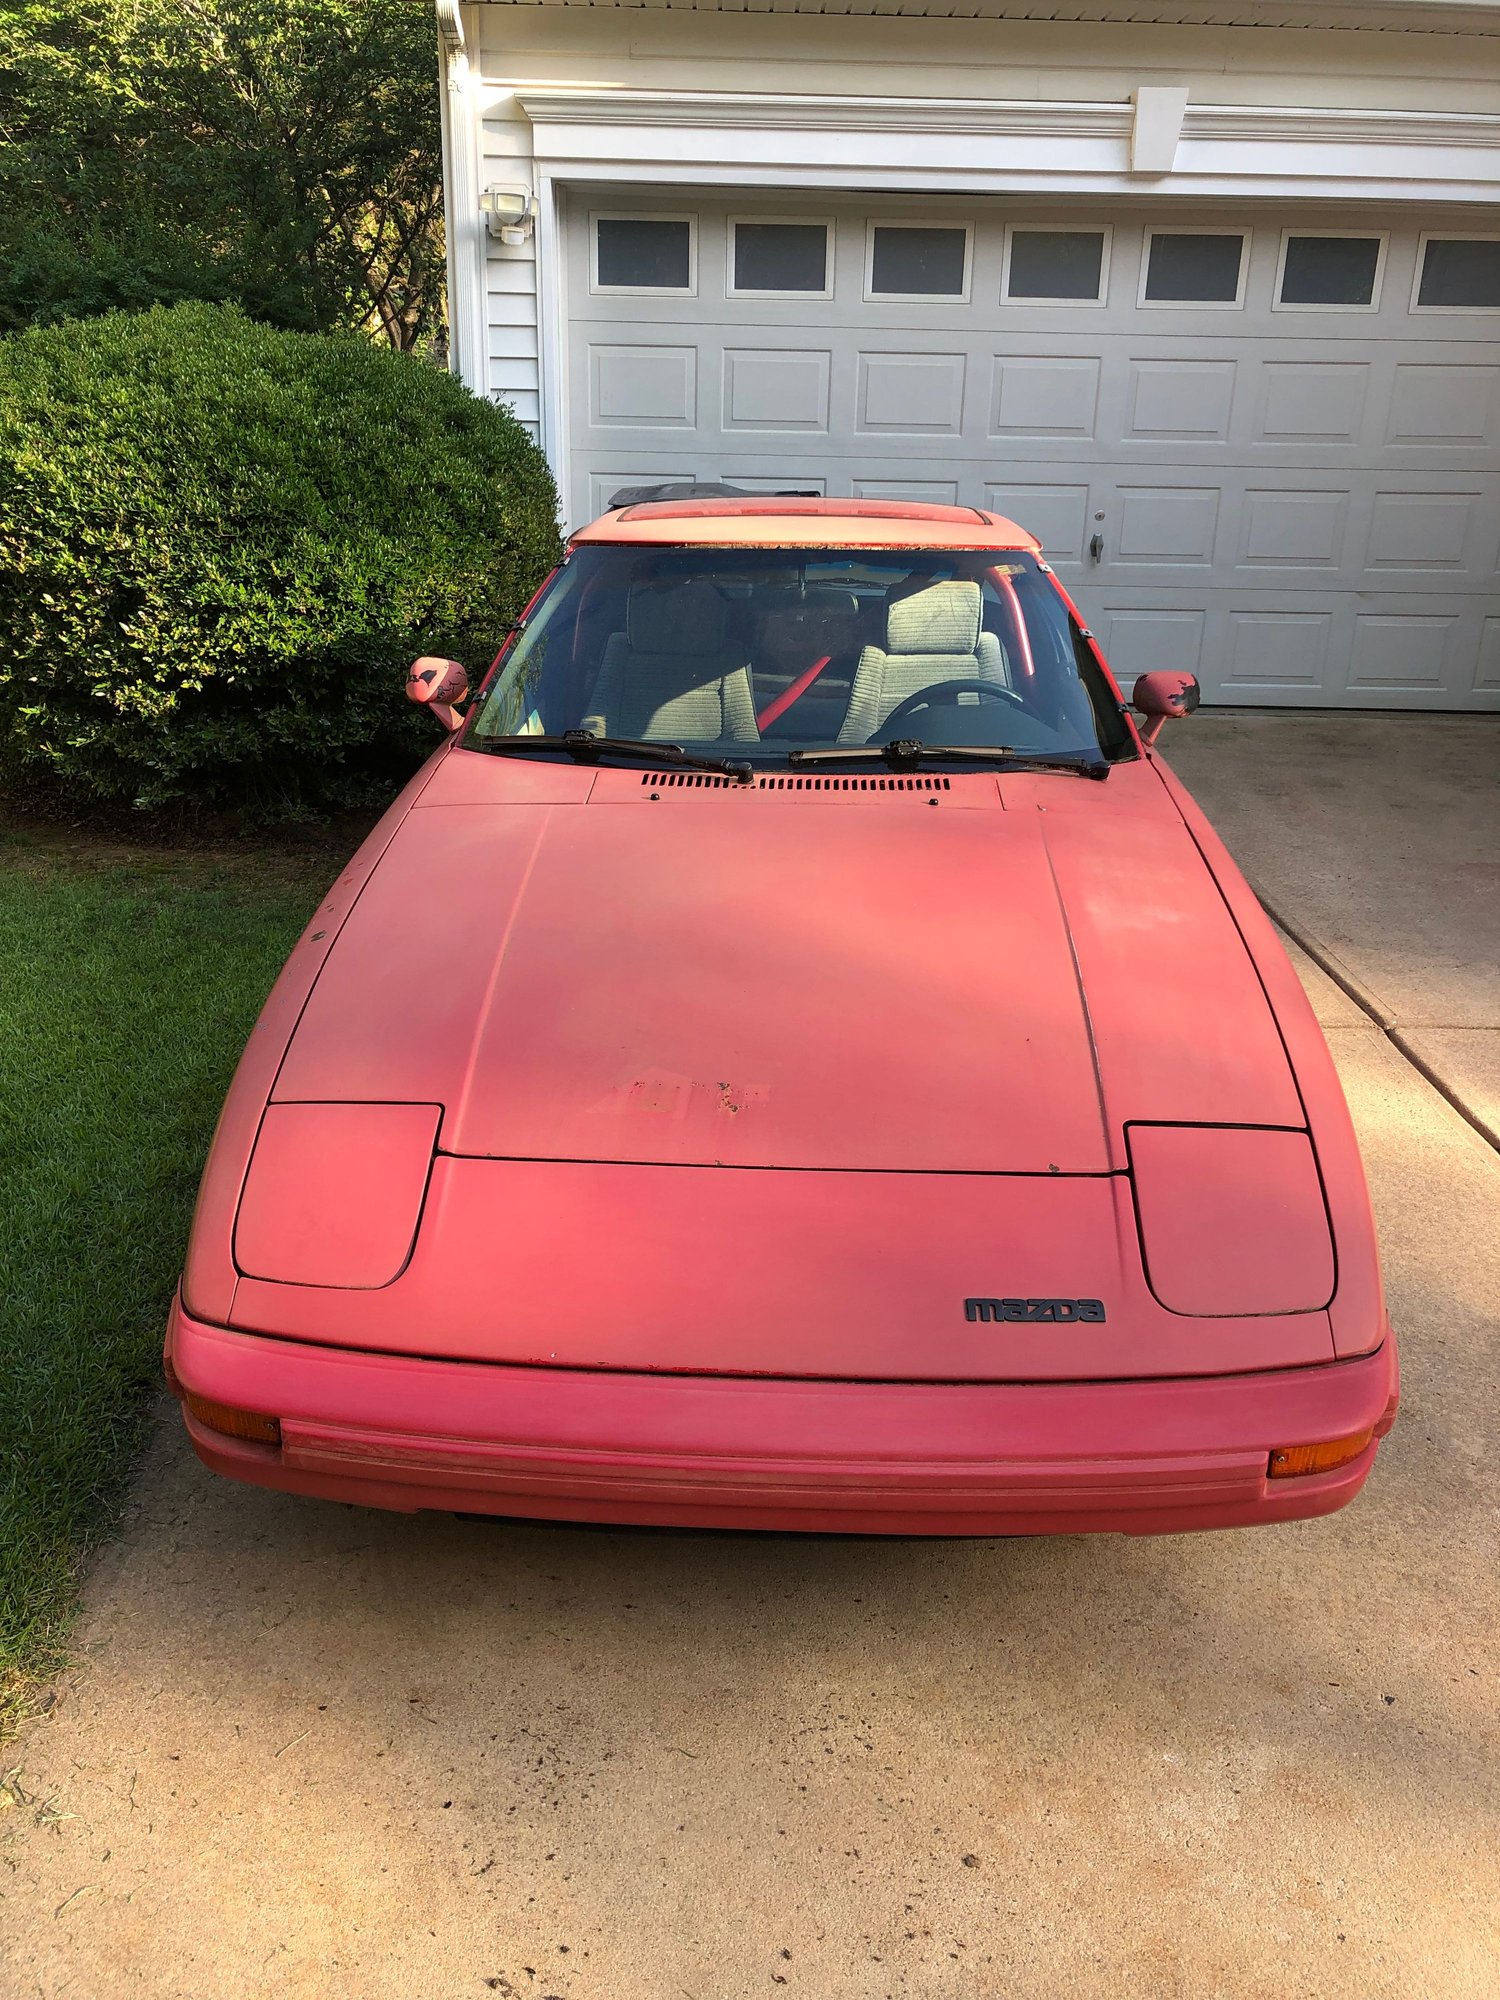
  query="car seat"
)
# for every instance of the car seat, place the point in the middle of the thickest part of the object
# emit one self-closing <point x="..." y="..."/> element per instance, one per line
<point x="931" y="636"/>
<point x="672" y="672"/>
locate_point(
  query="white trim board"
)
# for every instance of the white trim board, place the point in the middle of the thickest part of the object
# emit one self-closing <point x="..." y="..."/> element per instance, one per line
<point x="1411" y="17"/>
<point x="931" y="144"/>
<point x="465" y="230"/>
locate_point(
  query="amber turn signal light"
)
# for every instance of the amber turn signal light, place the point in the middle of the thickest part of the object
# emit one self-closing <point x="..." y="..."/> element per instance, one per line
<point x="234" y="1423"/>
<point x="1302" y="1458"/>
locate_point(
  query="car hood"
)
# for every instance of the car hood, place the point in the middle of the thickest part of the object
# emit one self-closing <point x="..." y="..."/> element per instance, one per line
<point x="743" y="978"/>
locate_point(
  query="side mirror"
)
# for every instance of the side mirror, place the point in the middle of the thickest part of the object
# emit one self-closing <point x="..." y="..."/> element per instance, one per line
<point x="438" y="684"/>
<point x="1164" y="697"/>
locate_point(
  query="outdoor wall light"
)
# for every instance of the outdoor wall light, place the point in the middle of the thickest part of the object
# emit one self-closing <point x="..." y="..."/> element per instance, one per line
<point x="509" y="213"/>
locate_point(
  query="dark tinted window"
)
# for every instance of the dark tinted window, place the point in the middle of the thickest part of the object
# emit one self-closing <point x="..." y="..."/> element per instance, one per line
<point x="780" y="257"/>
<point x="645" y="254"/>
<point x="1330" y="270"/>
<point x="1055" y="263"/>
<point x="1194" y="270"/>
<point x="925" y="263"/>
<point x="1459" y="272"/>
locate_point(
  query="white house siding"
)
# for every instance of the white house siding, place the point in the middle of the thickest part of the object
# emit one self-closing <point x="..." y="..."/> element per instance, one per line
<point x="1385" y="117"/>
<point x="510" y="286"/>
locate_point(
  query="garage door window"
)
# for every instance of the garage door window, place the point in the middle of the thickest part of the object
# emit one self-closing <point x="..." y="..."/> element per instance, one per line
<point x="1063" y="265"/>
<point x="644" y="253"/>
<point x="1190" y="267"/>
<point x="773" y="259"/>
<point x="1458" y="274"/>
<point x="1329" y="273"/>
<point x="906" y="262"/>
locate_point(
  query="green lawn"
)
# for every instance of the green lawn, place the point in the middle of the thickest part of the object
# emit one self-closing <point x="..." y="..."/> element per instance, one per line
<point x="128" y="983"/>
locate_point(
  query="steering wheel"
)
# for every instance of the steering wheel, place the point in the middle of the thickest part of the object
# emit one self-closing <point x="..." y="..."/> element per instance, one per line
<point x="945" y="694"/>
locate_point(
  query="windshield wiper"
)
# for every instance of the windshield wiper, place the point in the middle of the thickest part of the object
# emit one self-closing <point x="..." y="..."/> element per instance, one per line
<point x="588" y="749"/>
<point x="905" y="753"/>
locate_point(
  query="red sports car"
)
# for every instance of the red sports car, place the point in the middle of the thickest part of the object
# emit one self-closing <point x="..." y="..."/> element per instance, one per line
<point x="794" y="1058"/>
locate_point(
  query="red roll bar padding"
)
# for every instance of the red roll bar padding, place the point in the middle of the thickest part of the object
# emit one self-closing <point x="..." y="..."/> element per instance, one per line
<point x="777" y="708"/>
<point x="1017" y="617"/>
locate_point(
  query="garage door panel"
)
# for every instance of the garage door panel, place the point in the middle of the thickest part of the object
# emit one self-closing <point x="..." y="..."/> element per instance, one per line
<point x="1180" y="400"/>
<point x="1305" y="529"/>
<point x="1050" y="396"/>
<point x="1300" y="507"/>
<point x="1171" y="525"/>
<point x="1324" y="647"/>
<point x="1443" y="405"/>
<point x="643" y="385"/>
<point x="1305" y="402"/>
<point x="1428" y="525"/>
<point x="1415" y="651"/>
<point x="1057" y="514"/>
<point x="1140" y="639"/>
<point x="1403" y="652"/>
<point x="905" y="394"/>
<point x="1275" y="653"/>
<point x="1471" y="681"/>
<point x="1247" y="649"/>
<point x="1487" y="661"/>
<point x="1423" y="531"/>
<point x="776" y="388"/>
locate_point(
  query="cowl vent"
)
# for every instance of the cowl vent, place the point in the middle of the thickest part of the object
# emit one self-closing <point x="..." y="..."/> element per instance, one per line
<point x="661" y="781"/>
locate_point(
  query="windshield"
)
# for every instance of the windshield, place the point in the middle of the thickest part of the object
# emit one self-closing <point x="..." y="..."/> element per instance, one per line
<point x="758" y="652"/>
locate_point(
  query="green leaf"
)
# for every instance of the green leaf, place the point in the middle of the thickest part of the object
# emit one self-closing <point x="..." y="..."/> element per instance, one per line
<point x="221" y="544"/>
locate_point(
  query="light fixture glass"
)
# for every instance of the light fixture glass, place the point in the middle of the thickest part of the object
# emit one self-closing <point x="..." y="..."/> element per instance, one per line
<point x="509" y="212"/>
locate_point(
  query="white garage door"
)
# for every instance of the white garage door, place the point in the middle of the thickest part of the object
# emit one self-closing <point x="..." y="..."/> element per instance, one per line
<point x="1255" y="446"/>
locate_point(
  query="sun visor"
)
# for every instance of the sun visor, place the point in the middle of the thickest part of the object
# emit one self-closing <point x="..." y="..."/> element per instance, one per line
<point x="334" y="1193"/>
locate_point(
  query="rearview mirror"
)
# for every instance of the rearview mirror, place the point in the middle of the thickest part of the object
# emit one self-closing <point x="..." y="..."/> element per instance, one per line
<point x="438" y="684"/>
<point x="1164" y="697"/>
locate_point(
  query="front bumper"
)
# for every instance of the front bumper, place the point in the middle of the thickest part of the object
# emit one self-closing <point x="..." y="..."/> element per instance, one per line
<point x="1143" y="1458"/>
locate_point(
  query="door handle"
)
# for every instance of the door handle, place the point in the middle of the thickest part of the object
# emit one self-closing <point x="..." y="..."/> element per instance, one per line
<point x="1096" y="547"/>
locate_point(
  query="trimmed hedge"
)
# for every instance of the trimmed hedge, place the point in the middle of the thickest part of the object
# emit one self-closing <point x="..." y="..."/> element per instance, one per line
<point x="220" y="544"/>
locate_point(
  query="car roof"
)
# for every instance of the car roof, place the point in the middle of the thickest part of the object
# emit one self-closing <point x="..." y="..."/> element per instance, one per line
<point x="781" y="521"/>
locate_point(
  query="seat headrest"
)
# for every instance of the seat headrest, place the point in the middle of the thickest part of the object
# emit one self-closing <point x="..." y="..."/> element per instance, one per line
<point x="943" y="618"/>
<point x="681" y="618"/>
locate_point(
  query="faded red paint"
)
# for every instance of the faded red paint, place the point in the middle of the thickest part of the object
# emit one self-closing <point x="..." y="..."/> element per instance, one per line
<point x="739" y="1095"/>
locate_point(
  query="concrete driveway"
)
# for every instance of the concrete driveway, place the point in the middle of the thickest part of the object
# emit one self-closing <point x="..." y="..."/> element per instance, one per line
<point x="1375" y="838"/>
<point x="313" y="1751"/>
